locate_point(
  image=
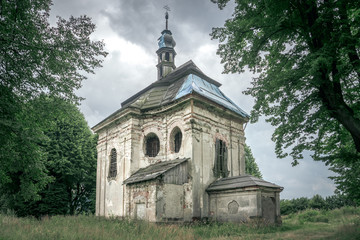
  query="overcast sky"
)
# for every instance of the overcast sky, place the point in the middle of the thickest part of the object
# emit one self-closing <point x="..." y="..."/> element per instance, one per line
<point x="130" y="29"/>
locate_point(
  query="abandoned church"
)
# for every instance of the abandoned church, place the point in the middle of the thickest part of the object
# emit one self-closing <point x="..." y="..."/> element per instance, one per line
<point x="174" y="152"/>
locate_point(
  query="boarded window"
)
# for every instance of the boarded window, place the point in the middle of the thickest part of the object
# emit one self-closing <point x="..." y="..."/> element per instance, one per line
<point x="220" y="165"/>
<point x="152" y="145"/>
<point x="113" y="163"/>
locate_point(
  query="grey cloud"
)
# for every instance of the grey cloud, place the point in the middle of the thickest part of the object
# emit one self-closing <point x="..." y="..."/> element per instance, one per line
<point x="143" y="21"/>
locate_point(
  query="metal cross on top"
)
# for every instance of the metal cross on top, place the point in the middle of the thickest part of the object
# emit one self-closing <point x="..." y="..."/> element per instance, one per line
<point x="167" y="8"/>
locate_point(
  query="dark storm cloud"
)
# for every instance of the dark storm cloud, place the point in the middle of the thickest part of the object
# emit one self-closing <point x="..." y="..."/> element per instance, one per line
<point x="142" y="21"/>
<point x="127" y="18"/>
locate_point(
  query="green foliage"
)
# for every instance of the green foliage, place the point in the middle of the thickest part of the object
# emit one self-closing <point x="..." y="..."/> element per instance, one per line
<point x="70" y="160"/>
<point x="347" y="179"/>
<point x="307" y="58"/>
<point x="250" y="165"/>
<point x="36" y="58"/>
<point x="316" y="202"/>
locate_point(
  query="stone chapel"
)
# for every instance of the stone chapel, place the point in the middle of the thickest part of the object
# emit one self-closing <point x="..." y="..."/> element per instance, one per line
<point x="174" y="152"/>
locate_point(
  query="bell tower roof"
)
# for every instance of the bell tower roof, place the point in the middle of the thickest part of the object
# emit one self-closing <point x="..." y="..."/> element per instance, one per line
<point x="166" y="53"/>
<point x="166" y="39"/>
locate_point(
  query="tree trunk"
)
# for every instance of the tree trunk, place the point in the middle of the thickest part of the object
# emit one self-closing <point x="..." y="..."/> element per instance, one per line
<point x="331" y="96"/>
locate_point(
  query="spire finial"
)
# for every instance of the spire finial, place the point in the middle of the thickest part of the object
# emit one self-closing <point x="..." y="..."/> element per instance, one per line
<point x="166" y="7"/>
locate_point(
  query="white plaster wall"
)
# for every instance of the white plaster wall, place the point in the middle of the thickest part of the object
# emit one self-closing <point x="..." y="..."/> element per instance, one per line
<point x="111" y="196"/>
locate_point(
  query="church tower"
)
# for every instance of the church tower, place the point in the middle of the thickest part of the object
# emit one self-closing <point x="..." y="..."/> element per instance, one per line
<point x="166" y="53"/>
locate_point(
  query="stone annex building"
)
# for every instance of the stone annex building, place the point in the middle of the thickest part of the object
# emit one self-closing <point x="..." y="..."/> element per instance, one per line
<point x="175" y="152"/>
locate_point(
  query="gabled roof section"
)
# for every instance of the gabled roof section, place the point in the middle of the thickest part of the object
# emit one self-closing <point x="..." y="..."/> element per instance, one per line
<point x="242" y="181"/>
<point x="194" y="83"/>
<point x="184" y="80"/>
<point x="177" y="75"/>
<point x="153" y="171"/>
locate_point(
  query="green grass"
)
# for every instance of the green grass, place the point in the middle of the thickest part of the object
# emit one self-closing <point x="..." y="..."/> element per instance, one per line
<point x="341" y="223"/>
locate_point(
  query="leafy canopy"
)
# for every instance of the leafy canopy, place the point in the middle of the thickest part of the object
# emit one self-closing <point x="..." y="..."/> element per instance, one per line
<point x="70" y="160"/>
<point x="36" y="58"/>
<point x="307" y="56"/>
<point x="40" y="58"/>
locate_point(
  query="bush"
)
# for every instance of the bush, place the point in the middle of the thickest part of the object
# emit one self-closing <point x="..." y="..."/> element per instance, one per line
<point x="317" y="202"/>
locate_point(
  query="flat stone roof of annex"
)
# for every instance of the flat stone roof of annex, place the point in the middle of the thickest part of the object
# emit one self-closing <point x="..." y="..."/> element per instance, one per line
<point x="240" y="182"/>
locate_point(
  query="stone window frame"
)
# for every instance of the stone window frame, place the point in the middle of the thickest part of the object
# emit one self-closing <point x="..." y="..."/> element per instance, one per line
<point x="113" y="164"/>
<point x="176" y="137"/>
<point x="151" y="149"/>
<point x="221" y="157"/>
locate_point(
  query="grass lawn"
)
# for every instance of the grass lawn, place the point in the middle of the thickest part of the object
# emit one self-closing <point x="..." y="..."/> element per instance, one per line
<point x="341" y="223"/>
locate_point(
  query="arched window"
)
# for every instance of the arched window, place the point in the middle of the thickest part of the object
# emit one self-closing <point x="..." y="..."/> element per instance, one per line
<point x="167" y="56"/>
<point x="113" y="163"/>
<point x="152" y="145"/>
<point x="220" y="166"/>
<point x="175" y="139"/>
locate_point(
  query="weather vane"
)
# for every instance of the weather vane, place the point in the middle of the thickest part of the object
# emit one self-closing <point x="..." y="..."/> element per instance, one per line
<point x="167" y="8"/>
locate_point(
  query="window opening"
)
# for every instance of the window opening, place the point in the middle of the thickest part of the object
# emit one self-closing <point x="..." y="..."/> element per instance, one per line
<point x="220" y="166"/>
<point x="167" y="56"/>
<point x="113" y="163"/>
<point x="177" y="141"/>
<point x="161" y="71"/>
<point x="152" y="145"/>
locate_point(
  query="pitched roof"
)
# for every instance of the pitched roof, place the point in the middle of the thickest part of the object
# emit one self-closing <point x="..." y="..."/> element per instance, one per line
<point x="168" y="81"/>
<point x="194" y="83"/>
<point x="182" y="81"/>
<point x="240" y="182"/>
<point x="153" y="171"/>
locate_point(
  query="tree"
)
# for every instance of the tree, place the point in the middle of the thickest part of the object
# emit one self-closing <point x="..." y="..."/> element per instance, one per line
<point x="307" y="55"/>
<point x="36" y="58"/>
<point x="347" y="179"/>
<point x="70" y="161"/>
<point x="250" y="165"/>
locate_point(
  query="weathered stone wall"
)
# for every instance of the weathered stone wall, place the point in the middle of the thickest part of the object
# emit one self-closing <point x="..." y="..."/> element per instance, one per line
<point x="207" y="125"/>
<point x="142" y="200"/>
<point x="110" y="195"/>
<point x="234" y="206"/>
<point x="242" y="205"/>
<point x="162" y="123"/>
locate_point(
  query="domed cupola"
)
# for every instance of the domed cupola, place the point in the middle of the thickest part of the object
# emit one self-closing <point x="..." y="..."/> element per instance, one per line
<point x="166" y="53"/>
